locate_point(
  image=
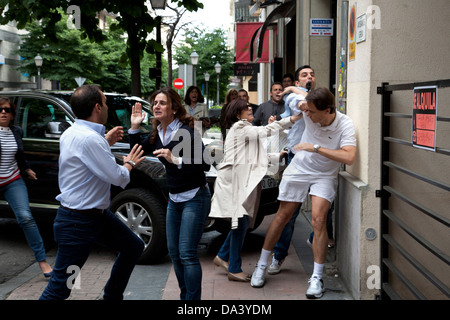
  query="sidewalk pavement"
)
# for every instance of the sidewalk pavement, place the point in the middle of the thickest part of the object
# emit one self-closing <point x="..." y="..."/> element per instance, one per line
<point x="158" y="282"/>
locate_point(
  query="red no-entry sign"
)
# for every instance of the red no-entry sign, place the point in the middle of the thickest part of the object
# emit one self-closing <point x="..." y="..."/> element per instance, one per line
<point x="178" y="83"/>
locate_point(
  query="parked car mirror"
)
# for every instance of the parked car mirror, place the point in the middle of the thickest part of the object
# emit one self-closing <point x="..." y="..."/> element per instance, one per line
<point x="56" y="128"/>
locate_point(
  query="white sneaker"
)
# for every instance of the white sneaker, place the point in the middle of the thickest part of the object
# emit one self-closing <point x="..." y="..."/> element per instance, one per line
<point x="275" y="266"/>
<point x="258" y="277"/>
<point x="316" y="288"/>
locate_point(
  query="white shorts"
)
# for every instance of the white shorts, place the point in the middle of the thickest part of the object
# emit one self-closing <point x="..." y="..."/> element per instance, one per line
<point x="294" y="187"/>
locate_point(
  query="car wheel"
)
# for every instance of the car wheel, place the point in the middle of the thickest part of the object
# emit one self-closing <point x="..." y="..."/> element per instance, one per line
<point x="144" y="214"/>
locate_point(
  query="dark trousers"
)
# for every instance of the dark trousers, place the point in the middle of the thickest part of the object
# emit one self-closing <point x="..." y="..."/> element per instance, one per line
<point x="76" y="233"/>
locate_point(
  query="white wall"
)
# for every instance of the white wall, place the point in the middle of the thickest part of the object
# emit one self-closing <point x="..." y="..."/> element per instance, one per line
<point x="410" y="45"/>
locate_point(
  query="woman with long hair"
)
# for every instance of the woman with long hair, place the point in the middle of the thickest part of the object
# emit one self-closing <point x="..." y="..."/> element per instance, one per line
<point x="180" y="149"/>
<point x="195" y="106"/>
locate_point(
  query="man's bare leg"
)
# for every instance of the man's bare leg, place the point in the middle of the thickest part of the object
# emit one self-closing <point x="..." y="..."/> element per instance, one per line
<point x="320" y="207"/>
<point x="282" y="217"/>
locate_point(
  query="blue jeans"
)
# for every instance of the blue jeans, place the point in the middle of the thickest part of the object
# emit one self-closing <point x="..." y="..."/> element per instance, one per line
<point x="16" y="194"/>
<point x="75" y="234"/>
<point x="231" y="248"/>
<point x="185" y="222"/>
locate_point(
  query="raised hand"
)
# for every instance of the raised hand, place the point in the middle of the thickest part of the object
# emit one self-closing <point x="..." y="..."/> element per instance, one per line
<point x="137" y="116"/>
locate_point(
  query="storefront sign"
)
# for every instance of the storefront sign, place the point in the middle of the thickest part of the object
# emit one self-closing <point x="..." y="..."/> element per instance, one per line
<point x="361" y="28"/>
<point x="246" y="69"/>
<point x="424" y="117"/>
<point x="321" y="27"/>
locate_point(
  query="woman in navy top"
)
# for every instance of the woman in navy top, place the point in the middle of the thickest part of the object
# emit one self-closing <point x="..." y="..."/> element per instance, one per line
<point x="180" y="148"/>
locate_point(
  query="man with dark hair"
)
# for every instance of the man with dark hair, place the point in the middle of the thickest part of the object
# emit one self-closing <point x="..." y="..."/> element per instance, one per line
<point x="84" y="99"/>
<point x="305" y="78"/>
<point x="328" y="140"/>
<point x="243" y="94"/>
<point x="87" y="168"/>
<point x="288" y="80"/>
<point x="272" y="108"/>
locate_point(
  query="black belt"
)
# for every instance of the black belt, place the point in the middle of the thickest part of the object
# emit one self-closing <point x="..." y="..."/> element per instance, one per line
<point x="89" y="211"/>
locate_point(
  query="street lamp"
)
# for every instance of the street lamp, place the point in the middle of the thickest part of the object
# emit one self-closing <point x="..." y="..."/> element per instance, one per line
<point x="194" y="61"/>
<point x="207" y="92"/>
<point x="158" y="4"/>
<point x="38" y="62"/>
<point x="218" y="67"/>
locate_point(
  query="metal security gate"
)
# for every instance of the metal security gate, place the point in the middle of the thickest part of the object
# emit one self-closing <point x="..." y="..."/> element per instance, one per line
<point x="415" y="198"/>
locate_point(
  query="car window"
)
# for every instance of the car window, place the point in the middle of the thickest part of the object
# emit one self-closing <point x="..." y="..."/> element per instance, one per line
<point x="119" y="114"/>
<point x="41" y="119"/>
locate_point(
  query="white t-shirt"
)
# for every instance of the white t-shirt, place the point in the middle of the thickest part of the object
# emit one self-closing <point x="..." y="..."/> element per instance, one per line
<point x="335" y="136"/>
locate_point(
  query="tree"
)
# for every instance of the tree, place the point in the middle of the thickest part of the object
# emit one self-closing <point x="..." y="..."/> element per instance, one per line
<point x="133" y="17"/>
<point x="74" y="56"/>
<point x="172" y="23"/>
<point x="211" y="48"/>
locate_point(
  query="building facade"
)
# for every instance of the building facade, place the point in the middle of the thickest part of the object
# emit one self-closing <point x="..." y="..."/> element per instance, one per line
<point x="10" y="77"/>
<point x="390" y="244"/>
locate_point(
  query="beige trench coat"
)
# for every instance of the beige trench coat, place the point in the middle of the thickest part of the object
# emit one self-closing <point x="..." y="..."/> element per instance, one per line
<point x="245" y="163"/>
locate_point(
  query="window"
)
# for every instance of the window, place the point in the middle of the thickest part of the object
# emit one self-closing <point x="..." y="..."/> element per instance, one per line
<point x="119" y="114"/>
<point x="41" y="119"/>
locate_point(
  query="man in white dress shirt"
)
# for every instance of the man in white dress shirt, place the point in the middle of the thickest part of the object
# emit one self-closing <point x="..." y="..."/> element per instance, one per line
<point x="87" y="168"/>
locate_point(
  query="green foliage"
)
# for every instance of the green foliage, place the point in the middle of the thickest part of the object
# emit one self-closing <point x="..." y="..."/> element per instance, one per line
<point x="190" y="5"/>
<point x="133" y="17"/>
<point x="211" y="48"/>
<point x="74" y="56"/>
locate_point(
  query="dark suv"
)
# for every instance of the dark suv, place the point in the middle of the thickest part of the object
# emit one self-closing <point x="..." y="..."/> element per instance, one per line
<point x="44" y="115"/>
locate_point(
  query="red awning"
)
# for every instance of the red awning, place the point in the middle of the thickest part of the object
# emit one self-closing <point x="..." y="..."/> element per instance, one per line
<point x="244" y="38"/>
<point x="258" y="46"/>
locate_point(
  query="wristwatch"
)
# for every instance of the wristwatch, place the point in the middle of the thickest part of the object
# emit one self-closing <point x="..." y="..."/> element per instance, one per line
<point x="131" y="163"/>
<point x="316" y="148"/>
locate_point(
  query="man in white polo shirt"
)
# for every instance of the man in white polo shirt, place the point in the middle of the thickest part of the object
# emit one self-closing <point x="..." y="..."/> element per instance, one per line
<point x="328" y="140"/>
